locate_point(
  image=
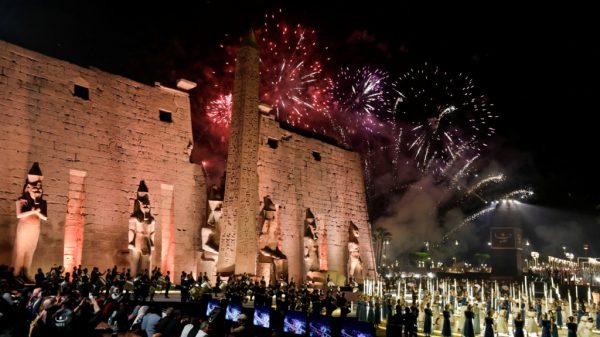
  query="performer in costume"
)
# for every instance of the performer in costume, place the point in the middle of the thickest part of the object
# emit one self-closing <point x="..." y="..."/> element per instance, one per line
<point x="545" y="326"/>
<point x="553" y="327"/>
<point x="476" y="319"/>
<point x="446" y="329"/>
<point x="467" y="330"/>
<point x="518" y="325"/>
<point x="571" y="327"/>
<point x="427" y="320"/>
<point x="559" y="318"/>
<point x="489" y="325"/>
<point x="502" y="321"/>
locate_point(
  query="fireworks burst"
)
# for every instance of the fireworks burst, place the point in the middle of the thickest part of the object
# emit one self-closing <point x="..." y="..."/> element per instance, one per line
<point x="517" y="194"/>
<point x="488" y="180"/>
<point x="464" y="170"/>
<point x="219" y="110"/>
<point x="292" y="78"/>
<point x="361" y="98"/>
<point x="445" y="115"/>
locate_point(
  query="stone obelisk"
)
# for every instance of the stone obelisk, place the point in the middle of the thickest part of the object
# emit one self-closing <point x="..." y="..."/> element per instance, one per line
<point x="238" y="246"/>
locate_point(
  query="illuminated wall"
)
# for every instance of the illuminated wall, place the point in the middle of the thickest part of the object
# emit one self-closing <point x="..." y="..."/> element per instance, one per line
<point x="299" y="172"/>
<point x="273" y="176"/>
<point x="93" y="152"/>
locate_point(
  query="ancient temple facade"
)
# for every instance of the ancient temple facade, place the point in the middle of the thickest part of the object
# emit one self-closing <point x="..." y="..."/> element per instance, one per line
<point x="119" y="188"/>
<point x="96" y="136"/>
<point x="294" y="202"/>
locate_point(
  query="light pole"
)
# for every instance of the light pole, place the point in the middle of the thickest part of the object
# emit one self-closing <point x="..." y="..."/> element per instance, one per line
<point x="570" y="256"/>
<point x="535" y="256"/>
<point x="385" y="248"/>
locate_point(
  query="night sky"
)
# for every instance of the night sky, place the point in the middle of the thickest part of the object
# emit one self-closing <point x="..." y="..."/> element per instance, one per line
<point x="538" y="65"/>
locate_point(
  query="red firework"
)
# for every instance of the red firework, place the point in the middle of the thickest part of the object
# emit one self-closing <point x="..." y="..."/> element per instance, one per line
<point x="219" y="110"/>
<point x="292" y="80"/>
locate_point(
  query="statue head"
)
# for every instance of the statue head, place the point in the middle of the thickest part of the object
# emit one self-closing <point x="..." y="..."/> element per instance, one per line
<point x="144" y="205"/>
<point x="33" y="185"/>
<point x="310" y="225"/>
<point x="141" y="205"/>
<point x="216" y="211"/>
<point x="353" y="230"/>
<point x="269" y="209"/>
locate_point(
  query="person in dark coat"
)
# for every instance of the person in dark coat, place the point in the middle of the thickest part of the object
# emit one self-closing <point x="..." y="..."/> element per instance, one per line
<point x="559" y="318"/>
<point x="394" y="326"/>
<point x="467" y="330"/>
<point x="427" y="321"/>
<point x="446" y="328"/>
<point x="408" y="322"/>
<point x="489" y="325"/>
<point x="571" y="327"/>
<point x="545" y="326"/>
<point x="553" y="327"/>
<point x="518" y="325"/>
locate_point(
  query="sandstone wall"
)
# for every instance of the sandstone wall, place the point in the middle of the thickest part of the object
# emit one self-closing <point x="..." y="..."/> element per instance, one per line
<point x="93" y="154"/>
<point x="332" y="187"/>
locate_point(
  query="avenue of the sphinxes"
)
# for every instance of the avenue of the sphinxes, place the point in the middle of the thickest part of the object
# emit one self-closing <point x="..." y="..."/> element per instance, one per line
<point x="109" y="160"/>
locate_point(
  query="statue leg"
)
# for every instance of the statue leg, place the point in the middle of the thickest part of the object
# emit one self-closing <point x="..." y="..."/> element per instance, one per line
<point x="18" y="256"/>
<point x="25" y="244"/>
<point x="145" y="263"/>
<point x="360" y="271"/>
<point x="32" y="245"/>
<point x="134" y="262"/>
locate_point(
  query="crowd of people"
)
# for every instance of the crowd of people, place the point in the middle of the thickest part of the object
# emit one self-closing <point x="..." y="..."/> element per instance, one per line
<point x="86" y="302"/>
<point x="471" y="317"/>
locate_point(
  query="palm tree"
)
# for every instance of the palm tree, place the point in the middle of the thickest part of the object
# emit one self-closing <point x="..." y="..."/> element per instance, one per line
<point x="418" y="259"/>
<point x="380" y="237"/>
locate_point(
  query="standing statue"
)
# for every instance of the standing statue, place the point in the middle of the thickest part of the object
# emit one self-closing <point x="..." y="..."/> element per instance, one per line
<point x="211" y="231"/>
<point x="31" y="209"/>
<point x="268" y="232"/>
<point x="355" y="267"/>
<point x="141" y="232"/>
<point x="311" y="245"/>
